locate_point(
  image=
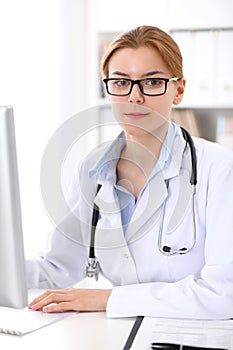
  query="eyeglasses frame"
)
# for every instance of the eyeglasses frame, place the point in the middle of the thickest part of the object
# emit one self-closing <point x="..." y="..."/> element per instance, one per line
<point x="138" y="82"/>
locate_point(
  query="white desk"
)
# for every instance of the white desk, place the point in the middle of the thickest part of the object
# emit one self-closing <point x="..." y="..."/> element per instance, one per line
<point x="81" y="331"/>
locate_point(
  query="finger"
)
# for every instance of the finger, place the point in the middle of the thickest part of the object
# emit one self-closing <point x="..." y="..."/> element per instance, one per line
<point x="61" y="307"/>
<point x="49" y="299"/>
<point x="41" y="297"/>
<point x="46" y="294"/>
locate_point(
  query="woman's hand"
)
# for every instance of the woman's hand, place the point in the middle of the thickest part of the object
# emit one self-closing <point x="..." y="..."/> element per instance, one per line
<point x="71" y="299"/>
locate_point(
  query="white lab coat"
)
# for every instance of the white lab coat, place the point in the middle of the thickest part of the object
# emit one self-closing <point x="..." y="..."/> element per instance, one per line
<point x="198" y="284"/>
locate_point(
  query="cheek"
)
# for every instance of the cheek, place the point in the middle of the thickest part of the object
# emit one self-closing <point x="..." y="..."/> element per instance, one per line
<point x="161" y="104"/>
<point x="112" y="99"/>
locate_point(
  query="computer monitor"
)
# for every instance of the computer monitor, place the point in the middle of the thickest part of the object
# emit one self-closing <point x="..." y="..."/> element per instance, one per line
<point x="13" y="291"/>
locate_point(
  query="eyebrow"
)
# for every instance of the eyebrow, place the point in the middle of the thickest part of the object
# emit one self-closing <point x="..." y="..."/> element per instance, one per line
<point x="154" y="72"/>
<point x="148" y="74"/>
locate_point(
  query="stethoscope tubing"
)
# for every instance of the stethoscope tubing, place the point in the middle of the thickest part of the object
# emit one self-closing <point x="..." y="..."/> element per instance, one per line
<point x="166" y="250"/>
<point x="94" y="221"/>
<point x="189" y="141"/>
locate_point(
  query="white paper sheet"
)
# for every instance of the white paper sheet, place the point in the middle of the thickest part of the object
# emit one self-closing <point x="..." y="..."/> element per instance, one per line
<point x="202" y="333"/>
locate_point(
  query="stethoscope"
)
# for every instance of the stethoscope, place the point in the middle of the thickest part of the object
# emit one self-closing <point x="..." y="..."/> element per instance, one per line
<point x="91" y="269"/>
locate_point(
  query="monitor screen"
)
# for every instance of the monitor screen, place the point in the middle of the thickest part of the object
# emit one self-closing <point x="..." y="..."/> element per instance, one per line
<point x="13" y="291"/>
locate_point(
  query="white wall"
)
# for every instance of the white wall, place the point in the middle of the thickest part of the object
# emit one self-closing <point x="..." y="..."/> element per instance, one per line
<point x="122" y="15"/>
<point x="200" y="13"/>
<point x="41" y="68"/>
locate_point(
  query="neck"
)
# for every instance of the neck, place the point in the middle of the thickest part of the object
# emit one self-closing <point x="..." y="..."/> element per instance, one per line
<point x="144" y="150"/>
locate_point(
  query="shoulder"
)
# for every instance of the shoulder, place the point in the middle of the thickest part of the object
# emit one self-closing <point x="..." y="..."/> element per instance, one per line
<point x="82" y="186"/>
<point x="84" y="167"/>
<point x="90" y="167"/>
<point x="214" y="162"/>
<point x="89" y="161"/>
<point x="212" y="152"/>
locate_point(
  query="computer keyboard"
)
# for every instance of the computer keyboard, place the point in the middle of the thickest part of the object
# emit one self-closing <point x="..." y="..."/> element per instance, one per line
<point x="23" y="321"/>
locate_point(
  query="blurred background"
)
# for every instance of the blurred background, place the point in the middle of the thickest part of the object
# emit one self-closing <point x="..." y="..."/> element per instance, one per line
<point x="49" y="71"/>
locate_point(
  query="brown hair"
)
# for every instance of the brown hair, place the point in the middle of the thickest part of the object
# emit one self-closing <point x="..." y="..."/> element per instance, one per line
<point x="151" y="37"/>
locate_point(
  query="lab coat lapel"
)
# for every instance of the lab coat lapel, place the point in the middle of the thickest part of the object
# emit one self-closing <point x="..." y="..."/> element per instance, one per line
<point x="111" y="248"/>
<point x="148" y="206"/>
<point x="180" y="165"/>
<point x="176" y="160"/>
<point x="110" y="215"/>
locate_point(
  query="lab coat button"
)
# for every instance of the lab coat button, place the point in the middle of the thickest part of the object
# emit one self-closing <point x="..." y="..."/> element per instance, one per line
<point x="126" y="256"/>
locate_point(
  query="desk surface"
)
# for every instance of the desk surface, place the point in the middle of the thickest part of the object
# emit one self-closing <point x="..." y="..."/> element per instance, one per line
<point x="82" y="331"/>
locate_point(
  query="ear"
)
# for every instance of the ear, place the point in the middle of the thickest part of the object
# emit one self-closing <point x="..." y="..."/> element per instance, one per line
<point x="179" y="91"/>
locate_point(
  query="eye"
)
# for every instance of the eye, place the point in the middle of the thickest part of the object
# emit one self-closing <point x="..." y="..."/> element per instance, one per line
<point x="121" y="82"/>
<point x="153" y="82"/>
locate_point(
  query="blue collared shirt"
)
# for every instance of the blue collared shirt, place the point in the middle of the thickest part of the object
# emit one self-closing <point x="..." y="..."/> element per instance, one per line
<point x="106" y="171"/>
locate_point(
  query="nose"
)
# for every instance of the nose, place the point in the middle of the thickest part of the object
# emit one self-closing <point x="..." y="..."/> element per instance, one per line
<point x="136" y="95"/>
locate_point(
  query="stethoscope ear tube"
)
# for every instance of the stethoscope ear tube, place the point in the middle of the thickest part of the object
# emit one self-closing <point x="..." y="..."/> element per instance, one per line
<point x="91" y="268"/>
<point x="95" y="218"/>
<point x="189" y="140"/>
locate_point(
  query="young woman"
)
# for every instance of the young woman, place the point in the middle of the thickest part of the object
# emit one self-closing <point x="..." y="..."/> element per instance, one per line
<point x="164" y="232"/>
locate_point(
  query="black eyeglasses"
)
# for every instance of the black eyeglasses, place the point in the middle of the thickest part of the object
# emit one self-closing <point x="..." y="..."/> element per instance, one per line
<point x="148" y="86"/>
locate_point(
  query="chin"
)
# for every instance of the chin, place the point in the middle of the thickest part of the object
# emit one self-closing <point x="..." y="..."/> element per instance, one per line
<point x="146" y="130"/>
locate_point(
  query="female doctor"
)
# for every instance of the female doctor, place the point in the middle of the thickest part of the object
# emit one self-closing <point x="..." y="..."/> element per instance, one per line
<point x="164" y="227"/>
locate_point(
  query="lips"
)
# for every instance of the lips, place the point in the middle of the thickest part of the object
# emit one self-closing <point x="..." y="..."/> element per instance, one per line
<point x="136" y="116"/>
<point x="130" y="112"/>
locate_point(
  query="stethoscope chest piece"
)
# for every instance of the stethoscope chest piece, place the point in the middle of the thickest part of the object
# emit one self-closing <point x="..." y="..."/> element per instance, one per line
<point x="91" y="269"/>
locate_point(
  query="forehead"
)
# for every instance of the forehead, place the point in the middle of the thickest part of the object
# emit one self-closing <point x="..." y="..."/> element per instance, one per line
<point x="137" y="61"/>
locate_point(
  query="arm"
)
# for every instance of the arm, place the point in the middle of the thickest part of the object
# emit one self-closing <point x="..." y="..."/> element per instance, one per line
<point x="60" y="265"/>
